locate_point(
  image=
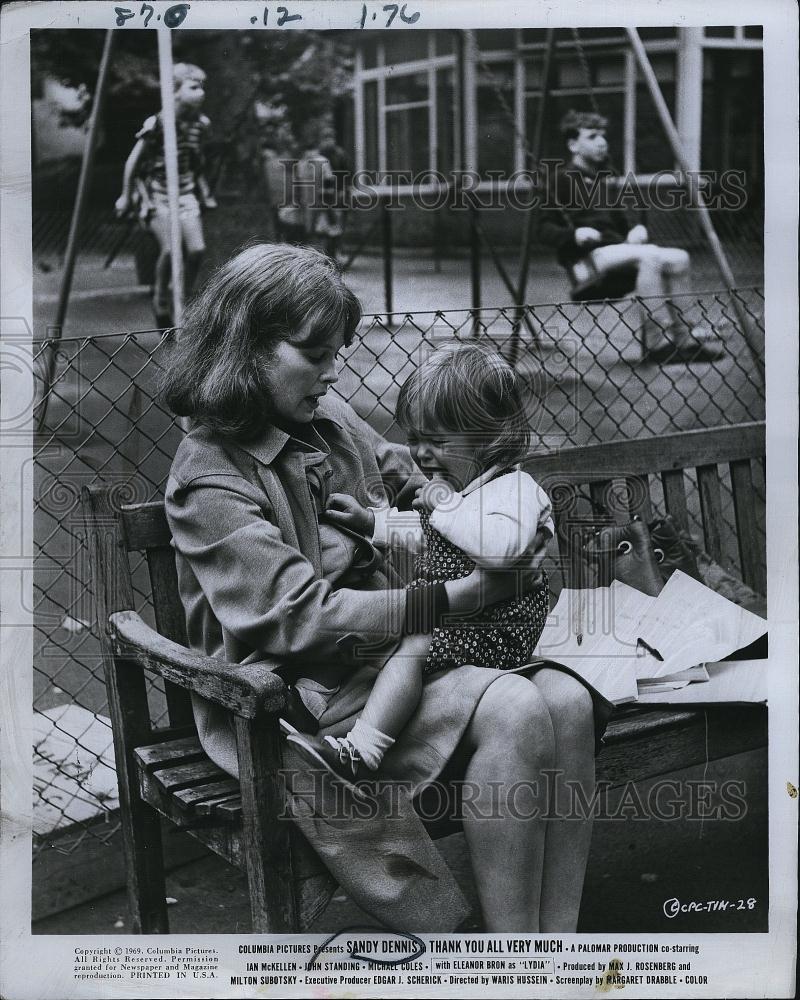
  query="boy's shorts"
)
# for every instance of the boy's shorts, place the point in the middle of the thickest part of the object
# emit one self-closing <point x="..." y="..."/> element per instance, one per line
<point x="188" y="205"/>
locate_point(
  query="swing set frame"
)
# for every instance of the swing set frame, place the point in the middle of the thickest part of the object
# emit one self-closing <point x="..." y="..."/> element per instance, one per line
<point x="478" y="238"/>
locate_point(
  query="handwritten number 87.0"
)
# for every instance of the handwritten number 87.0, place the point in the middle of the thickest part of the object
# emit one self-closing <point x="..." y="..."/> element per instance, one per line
<point x="392" y="9"/>
<point x="173" y="16"/>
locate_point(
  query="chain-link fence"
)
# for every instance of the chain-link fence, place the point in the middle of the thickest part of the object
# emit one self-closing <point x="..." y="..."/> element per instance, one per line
<point x="100" y="419"/>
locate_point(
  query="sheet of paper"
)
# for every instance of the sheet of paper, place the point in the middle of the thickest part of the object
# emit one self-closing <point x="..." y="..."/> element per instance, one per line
<point x="657" y="687"/>
<point x="693" y="674"/>
<point x="689" y="623"/>
<point x="743" y="681"/>
<point x="603" y="658"/>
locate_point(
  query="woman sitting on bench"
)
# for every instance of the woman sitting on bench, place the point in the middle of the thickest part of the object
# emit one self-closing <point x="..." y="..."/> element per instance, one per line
<point x="607" y="252"/>
<point x="261" y="574"/>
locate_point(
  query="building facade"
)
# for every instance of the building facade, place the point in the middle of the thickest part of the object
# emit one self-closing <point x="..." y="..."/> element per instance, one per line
<point x="409" y="113"/>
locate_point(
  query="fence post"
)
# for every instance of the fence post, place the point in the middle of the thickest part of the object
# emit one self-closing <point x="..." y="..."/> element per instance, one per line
<point x="387" y="258"/>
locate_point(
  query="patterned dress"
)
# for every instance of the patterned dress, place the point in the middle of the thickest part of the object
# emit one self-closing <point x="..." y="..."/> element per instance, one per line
<point x="501" y="636"/>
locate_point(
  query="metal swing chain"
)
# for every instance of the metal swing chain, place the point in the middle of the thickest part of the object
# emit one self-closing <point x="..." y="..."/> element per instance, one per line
<point x="586" y="72"/>
<point x="501" y="100"/>
<point x="585" y="69"/>
<point x="587" y="79"/>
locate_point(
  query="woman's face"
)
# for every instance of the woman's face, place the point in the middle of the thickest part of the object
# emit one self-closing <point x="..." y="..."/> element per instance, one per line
<point x="299" y="375"/>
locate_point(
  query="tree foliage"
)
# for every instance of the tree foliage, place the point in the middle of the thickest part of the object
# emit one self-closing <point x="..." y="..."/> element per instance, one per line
<point x="298" y="76"/>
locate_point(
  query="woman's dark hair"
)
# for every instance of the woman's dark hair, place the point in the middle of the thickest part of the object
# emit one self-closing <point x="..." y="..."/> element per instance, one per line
<point x="471" y="389"/>
<point x="262" y="296"/>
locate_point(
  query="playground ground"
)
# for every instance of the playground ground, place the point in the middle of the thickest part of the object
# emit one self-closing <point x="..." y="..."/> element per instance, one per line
<point x="101" y="296"/>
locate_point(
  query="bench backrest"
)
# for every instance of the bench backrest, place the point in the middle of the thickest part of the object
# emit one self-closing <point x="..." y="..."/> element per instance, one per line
<point x="614" y="482"/>
<point x="115" y="531"/>
<point x="614" y="479"/>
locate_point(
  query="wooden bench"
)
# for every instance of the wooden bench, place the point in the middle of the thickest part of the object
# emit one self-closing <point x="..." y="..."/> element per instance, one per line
<point x="163" y="772"/>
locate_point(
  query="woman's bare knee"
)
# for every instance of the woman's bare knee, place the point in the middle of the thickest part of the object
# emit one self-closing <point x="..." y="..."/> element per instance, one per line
<point x="513" y="715"/>
<point x="568" y="701"/>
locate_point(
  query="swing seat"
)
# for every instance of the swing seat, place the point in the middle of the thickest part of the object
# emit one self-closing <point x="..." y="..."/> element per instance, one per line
<point x="616" y="284"/>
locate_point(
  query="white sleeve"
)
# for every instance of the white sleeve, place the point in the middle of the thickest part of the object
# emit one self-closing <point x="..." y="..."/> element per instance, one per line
<point x="496" y="524"/>
<point x="397" y="529"/>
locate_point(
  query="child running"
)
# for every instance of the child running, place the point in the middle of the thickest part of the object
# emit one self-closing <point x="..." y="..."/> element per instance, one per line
<point x="146" y="169"/>
<point x="464" y="413"/>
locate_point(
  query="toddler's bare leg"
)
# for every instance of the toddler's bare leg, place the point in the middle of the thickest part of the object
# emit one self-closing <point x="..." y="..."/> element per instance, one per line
<point x="398" y="688"/>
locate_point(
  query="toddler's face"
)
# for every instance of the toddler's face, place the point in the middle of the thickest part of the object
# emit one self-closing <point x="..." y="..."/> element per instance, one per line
<point x="444" y="454"/>
<point x="191" y="93"/>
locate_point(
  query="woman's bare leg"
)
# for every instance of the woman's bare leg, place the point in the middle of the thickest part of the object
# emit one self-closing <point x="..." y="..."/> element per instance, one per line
<point x="569" y="830"/>
<point x="511" y="741"/>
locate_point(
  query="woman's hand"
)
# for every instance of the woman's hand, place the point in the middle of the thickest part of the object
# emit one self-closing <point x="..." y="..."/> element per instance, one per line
<point x="346" y="511"/>
<point x="122" y="205"/>
<point x="483" y="587"/>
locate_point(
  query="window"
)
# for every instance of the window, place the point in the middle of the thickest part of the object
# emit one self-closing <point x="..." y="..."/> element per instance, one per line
<point x="495" y="102"/>
<point x="534" y="36"/>
<point x="444" y="42"/>
<point x="369" y="53"/>
<point x="493" y="40"/>
<point x="412" y="118"/>
<point x="732" y="136"/>
<point x="407" y="89"/>
<point x="651" y="34"/>
<point x="371" y="125"/>
<point x="446" y="118"/>
<point x="404" y="46"/>
<point x="407" y="142"/>
<point x="653" y="151"/>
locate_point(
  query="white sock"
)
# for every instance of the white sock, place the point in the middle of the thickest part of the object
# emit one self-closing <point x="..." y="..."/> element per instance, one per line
<point x="370" y="743"/>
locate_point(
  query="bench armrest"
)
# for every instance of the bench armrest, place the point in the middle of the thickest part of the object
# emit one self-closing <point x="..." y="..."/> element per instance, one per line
<point x="248" y="689"/>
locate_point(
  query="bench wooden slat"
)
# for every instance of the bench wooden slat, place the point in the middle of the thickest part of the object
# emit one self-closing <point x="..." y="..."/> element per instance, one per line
<point x="675" y="497"/>
<point x="711" y="508"/>
<point x="171" y="779"/>
<point x="230" y="811"/>
<point x="646" y="456"/>
<point x="750" y="541"/>
<point x="227" y="808"/>
<point x="159" y="755"/>
<point x="196" y="797"/>
<point x="647" y="744"/>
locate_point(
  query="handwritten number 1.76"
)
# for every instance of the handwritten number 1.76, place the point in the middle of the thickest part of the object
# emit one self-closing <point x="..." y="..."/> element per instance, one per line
<point x="393" y="10"/>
